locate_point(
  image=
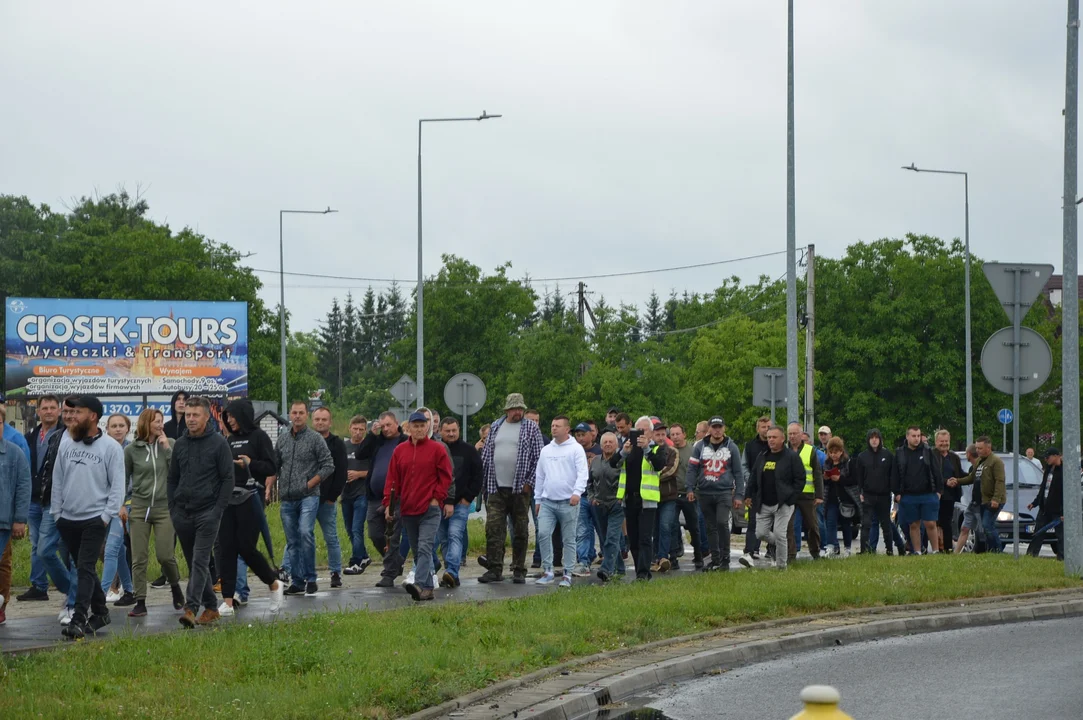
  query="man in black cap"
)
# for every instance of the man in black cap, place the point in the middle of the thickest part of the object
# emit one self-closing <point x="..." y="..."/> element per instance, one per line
<point x="1050" y="501"/>
<point x="716" y="478"/>
<point x="87" y="493"/>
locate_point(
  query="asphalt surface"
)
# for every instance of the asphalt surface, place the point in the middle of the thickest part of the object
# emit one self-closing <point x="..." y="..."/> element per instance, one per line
<point x="1021" y="670"/>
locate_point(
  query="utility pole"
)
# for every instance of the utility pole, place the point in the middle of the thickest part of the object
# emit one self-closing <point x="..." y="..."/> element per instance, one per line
<point x="810" y="341"/>
<point x="581" y="313"/>
<point x="340" y="362"/>
<point x="793" y="409"/>
<point x="1073" y="510"/>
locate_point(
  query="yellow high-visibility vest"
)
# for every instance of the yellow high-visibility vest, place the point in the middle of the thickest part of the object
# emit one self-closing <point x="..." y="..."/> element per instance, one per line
<point x="648" y="485"/>
<point x="806" y="460"/>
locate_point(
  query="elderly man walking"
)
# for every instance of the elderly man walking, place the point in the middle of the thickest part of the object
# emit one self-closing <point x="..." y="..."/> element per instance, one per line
<point x="509" y="461"/>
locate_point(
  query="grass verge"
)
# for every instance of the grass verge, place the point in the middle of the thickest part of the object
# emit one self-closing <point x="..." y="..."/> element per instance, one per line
<point x="386" y="664"/>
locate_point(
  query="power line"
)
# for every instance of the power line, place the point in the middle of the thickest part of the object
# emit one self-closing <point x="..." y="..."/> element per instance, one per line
<point x="529" y="280"/>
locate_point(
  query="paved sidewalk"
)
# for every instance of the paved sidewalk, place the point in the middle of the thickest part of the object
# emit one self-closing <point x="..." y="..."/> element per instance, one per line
<point x="34" y="625"/>
<point x="583" y="688"/>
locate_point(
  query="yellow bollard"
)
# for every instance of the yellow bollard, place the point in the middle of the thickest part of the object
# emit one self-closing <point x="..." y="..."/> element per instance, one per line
<point x="821" y="703"/>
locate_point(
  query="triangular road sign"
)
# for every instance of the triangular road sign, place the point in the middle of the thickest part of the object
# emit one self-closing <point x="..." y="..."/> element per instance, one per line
<point x="1032" y="280"/>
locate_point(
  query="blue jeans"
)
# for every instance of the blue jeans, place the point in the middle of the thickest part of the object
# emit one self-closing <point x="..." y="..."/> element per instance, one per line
<point x="702" y="527"/>
<point x="116" y="563"/>
<point x="551" y="513"/>
<point x="667" y="527"/>
<point x="353" y="516"/>
<point x="451" y="536"/>
<point x="584" y="534"/>
<point x="422" y="531"/>
<point x="49" y="544"/>
<point x="610" y="520"/>
<point x="328" y="519"/>
<point x="992" y="535"/>
<point x="38" y="577"/>
<point x="834" y="514"/>
<point x="299" y="523"/>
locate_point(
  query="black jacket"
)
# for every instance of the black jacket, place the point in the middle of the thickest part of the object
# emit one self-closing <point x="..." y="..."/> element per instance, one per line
<point x="839" y="489"/>
<point x="466" y="472"/>
<point x="329" y="491"/>
<point x="789" y="477"/>
<point x="31" y="437"/>
<point x="753" y="448"/>
<point x="367" y="451"/>
<point x="44" y="478"/>
<point x="927" y="480"/>
<point x="249" y="440"/>
<point x="950" y="495"/>
<point x="1051" y="494"/>
<point x="200" y="474"/>
<point x="876" y="472"/>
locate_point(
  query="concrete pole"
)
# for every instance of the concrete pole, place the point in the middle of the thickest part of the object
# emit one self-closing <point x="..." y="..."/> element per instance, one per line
<point x="793" y="408"/>
<point x="810" y="342"/>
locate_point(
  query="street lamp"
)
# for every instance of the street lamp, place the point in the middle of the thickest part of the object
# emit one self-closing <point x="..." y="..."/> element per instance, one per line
<point x="966" y="283"/>
<point x="282" y="296"/>
<point x="420" y="277"/>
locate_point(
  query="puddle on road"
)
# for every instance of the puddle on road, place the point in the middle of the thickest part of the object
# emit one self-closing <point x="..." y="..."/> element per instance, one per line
<point x="641" y="714"/>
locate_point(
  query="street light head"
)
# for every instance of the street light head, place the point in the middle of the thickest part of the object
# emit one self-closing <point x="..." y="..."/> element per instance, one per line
<point x="911" y="166"/>
<point x="329" y="210"/>
<point x="486" y="116"/>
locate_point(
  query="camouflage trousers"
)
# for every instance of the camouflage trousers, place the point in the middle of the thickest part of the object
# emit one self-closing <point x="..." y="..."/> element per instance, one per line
<point x="499" y="508"/>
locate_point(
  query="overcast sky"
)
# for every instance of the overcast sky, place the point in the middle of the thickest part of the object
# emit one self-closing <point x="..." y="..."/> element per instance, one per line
<point x="635" y="134"/>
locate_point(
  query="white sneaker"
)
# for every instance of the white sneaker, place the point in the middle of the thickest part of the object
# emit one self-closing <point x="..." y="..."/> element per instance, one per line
<point x="65" y="616"/>
<point x="226" y="610"/>
<point x="410" y="578"/>
<point x="846" y="552"/>
<point x="276" y="597"/>
<point x="112" y="597"/>
<point x="747" y="561"/>
<point x="435" y="580"/>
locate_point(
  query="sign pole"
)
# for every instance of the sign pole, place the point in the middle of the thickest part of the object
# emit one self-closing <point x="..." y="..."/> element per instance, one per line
<point x="1004" y="437"/>
<point x="463" y="384"/>
<point x="1017" y="341"/>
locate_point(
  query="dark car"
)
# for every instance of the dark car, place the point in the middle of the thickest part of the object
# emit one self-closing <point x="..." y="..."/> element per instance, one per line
<point x="1030" y="480"/>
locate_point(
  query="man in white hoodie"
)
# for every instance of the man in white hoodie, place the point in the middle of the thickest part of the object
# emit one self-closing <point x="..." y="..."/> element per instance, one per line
<point x="87" y="493"/>
<point x="560" y="480"/>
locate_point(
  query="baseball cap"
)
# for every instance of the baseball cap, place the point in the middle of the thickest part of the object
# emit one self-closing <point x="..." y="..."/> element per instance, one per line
<point x="89" y="402"/>
<point x="1051" y="452"/>
<point x="418" y="417"/>
<point x="716" y="420"/>
<point x="824" y="429"/>
<point x="582" y="427"/>
<point x="659" y="426"/>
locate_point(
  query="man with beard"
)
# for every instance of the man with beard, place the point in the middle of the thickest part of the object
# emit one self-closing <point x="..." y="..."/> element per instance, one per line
<point x="87" y="493"/>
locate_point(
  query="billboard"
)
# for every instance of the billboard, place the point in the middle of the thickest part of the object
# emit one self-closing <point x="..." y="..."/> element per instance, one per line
<point x="125" y="347"/>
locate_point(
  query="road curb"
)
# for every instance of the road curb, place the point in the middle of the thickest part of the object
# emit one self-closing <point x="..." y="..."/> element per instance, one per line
<point x="574" y="705"/>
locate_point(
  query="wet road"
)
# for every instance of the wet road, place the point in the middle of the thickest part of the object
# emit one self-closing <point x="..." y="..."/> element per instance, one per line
<point x="1021" y="670"/>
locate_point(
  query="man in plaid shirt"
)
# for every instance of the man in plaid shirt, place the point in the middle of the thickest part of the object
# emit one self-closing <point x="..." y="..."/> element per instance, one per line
<point x="509" y="459"/>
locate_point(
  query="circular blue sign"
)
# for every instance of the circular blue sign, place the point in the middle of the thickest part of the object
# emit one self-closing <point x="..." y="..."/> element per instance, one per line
<point x="1005" y="416"/>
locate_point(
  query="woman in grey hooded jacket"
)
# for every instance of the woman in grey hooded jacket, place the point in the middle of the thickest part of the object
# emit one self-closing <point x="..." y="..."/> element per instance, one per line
<point x="146" y="463"/>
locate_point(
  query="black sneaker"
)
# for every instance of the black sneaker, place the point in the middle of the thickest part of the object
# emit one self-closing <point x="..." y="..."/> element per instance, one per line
<point x="386" y="582"/>
<point x="75" y="630"/>
<point x="674" y="565"/>
<point x="336" y="580"/>
<point x="125" y="600"/>
<point x="491" y="576"/>
<point x="295" y="590"/>
<point x="365" y="563"/>
<point x="140" y="609"/>
<point x="160" y="583"/>
<point x="536" y="564"/>
<point x="483" y="561"/>
<point x="178" y="597"/>
<point x="33" y="594"/>
<point x="698" y="564"/>
<point x="97" y="622"/>
<point x="311" y="589"/>
<point x="414" y="590"/>
<point x="603" y="576"/>
<point x="283" y="576"/>
<point x="519" y="577"/>
<point x="353" y="569"/>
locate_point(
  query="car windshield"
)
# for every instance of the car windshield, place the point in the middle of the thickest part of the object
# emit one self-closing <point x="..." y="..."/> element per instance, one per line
<point x="1030" y="474"/>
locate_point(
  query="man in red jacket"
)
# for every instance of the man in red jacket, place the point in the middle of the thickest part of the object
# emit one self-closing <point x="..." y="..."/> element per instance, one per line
<point x="418" y="479"/>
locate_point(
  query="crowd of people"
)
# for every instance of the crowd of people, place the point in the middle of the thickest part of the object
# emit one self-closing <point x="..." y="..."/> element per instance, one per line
<point x="595" y="495"/>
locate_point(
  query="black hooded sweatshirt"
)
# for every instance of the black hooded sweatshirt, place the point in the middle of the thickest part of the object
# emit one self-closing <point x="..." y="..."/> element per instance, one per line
<point x="251" y="441"/>
<point x="175" y="427"/>
<point x="466" y="473"/>
<point x="876" y="470"/>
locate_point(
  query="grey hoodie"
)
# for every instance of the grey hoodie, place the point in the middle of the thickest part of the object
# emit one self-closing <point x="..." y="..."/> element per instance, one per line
<point x="714" y="470"/>
<point x="88" y="480"/>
